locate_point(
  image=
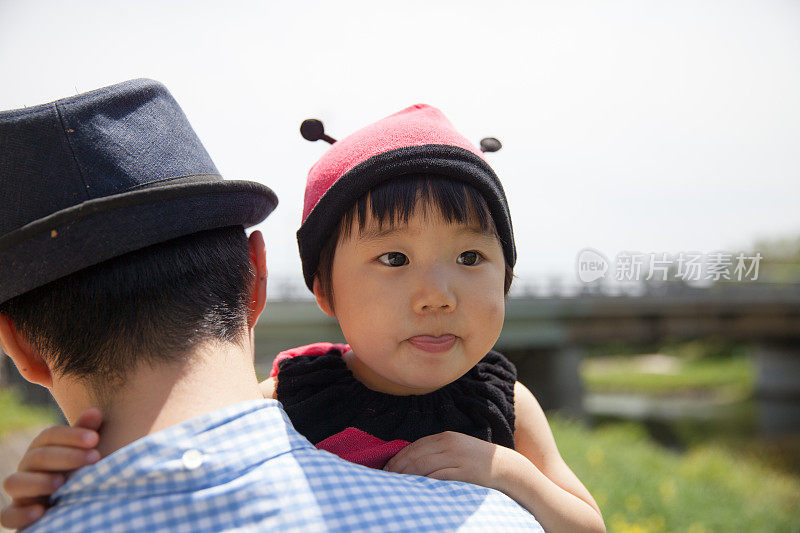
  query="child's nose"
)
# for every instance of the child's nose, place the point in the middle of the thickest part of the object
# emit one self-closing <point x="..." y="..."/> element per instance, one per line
<point x="434" y="294"/>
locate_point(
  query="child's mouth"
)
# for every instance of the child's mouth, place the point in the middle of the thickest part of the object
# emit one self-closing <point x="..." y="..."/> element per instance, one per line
<point x="429" y="343"/>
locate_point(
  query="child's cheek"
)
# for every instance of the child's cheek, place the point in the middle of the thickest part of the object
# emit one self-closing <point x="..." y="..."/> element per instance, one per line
<point x="498" y="314"/>
<point x="489" y="313"/>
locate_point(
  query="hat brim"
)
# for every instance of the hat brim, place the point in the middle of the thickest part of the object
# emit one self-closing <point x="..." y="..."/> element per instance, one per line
<point x="97" y="230"/>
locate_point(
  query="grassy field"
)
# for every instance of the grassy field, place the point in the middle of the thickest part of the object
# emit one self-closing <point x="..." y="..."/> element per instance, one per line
<point x="642" y="487"/>
<point x="669" y="375"/>
<point x="727" y="479"/>
<point x="16" y="415"/>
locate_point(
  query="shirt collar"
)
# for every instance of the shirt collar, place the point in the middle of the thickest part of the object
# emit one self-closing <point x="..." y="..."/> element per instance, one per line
<point x="210" y="449"/>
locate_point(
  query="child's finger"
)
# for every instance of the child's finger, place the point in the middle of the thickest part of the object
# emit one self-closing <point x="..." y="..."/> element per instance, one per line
<point x="399" y="463"/>
<point x="424" y="446"/>
<point x="425" y="464"/>
<point x="66" y="436"/>
<point x="446" y="474"/>
<point x="57" y="458"/>
<point x="18" y="516"/>
<point x="402" y="457"/>
<point x="32" y="484"/>
<point x="90" y="419"/>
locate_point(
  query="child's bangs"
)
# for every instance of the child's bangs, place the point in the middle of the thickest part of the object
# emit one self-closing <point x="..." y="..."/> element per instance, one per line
<point x="394" y="202"/>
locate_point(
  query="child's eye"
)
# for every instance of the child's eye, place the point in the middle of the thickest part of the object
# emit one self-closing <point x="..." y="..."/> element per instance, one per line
<point x="394" y="259"/>
<point x="469" y="258"/>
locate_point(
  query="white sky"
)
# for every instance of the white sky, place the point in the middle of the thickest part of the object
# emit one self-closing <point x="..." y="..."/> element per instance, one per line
<point x="628" y="125"/>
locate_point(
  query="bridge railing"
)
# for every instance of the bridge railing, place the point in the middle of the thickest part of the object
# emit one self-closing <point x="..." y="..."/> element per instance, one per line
<point x="289" y="288"/>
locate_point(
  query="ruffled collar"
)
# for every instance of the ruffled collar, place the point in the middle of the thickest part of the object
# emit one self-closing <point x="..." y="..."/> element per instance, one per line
<point x="322" y="397"/>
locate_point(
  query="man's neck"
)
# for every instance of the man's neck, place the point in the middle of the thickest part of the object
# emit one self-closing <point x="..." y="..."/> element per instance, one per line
<point x="155" y="398"/>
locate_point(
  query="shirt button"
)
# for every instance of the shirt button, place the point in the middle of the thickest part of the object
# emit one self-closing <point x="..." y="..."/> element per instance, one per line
<point x="192" y="459"/>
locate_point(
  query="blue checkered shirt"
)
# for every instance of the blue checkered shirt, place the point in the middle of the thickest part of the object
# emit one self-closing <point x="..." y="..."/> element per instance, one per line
<point x="245" y="468"/>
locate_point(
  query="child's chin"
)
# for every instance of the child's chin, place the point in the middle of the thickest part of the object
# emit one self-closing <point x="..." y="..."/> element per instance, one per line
<point x="431" y="382"/>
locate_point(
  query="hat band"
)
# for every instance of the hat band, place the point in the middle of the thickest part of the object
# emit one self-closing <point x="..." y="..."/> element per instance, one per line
<point x="166" y="188"/>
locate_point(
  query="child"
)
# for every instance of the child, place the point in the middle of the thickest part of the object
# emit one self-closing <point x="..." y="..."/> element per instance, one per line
<point x="406" y="239"/>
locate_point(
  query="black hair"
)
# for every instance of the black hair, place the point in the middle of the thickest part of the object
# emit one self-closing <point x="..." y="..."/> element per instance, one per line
<point x="393" y="202"/>
<point x="150" y="306"/>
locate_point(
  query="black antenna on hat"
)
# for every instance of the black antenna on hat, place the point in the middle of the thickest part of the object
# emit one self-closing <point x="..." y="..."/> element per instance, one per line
<point x="489" y="144"/>
<point x="312" y="130"/>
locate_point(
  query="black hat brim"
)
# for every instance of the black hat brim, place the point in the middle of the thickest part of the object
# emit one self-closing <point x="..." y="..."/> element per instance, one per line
<point x="98" y="230"/>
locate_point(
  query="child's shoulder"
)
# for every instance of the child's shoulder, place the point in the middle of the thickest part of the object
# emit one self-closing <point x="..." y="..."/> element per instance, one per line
<point x="531" y="422"/>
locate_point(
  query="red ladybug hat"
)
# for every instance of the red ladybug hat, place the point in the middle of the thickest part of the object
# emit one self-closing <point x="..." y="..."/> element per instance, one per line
<point x="418" y="139"/>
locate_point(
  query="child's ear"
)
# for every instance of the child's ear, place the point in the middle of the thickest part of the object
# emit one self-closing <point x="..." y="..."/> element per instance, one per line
<point x="27" y="360"/>
<point x="322" y="299"/>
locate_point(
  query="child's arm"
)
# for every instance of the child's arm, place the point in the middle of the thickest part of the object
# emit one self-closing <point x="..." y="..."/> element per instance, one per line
<point x="546" y="485"/>
<point x="534" y="475"/>
<point x="55" y="452"/>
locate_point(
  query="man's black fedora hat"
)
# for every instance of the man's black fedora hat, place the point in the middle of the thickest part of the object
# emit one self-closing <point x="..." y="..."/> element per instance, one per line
<point x="94" y="176"/>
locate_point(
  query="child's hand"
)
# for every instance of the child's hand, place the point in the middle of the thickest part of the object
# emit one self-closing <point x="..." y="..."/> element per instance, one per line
<point x="53" y="453"/>
<point x="455" y="457"/>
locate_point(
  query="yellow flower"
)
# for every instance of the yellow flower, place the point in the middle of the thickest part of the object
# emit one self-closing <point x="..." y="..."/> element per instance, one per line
<point x="632" y="528"/>
<point x="617" y="521"/>
<point x="618" y="524"/>
<point x="668" y="489"/>
<point x="697" y="527"/>
<point x="633" y="503"/>
<point x="595" y="456"/>
<point x="656" y="522"/>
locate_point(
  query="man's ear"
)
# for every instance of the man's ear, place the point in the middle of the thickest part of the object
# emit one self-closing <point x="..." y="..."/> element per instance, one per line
<point x="322" y="300"/>
<point x="29" y="363"/>
<point x="258" y="261"/>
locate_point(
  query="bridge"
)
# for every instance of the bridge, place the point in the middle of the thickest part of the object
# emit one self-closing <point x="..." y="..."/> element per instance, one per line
<point x="546" y="336"/>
